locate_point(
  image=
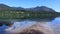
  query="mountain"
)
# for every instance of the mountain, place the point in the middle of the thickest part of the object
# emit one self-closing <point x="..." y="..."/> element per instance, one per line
<point x="3" y="6"/>
<point x="35" y="12"/>
<point x="17" y="8"/>
<point x="6" y="7"/>
<point x="40" y="9"/>
<point x="35" y="9"/>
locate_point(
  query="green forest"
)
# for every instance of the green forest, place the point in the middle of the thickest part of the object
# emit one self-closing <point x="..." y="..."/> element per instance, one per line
<point x="26" y="14"/>
<point x="7" y="12"/>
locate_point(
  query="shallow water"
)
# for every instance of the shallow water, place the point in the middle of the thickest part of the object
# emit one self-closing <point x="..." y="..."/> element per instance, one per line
<point x="21" y="25"/>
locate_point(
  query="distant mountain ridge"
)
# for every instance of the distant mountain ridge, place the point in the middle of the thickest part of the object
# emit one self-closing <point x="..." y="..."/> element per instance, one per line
<point x="38" y="8"/>
<point x="6" y="7"/>
<point x="7" y="12"/>
<point x="41" y="8"/>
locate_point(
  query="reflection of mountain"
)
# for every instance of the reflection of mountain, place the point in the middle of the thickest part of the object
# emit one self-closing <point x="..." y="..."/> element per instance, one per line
<point x="42" y="20"/>
<point x="19" y="20"/>
<point x="23" y="26"/>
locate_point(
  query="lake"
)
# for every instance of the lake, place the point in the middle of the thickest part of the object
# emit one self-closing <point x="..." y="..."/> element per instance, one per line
<point x="52" y="24"/>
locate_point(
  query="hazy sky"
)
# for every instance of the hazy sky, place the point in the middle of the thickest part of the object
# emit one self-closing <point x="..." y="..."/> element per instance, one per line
<point x="54" y="4"/>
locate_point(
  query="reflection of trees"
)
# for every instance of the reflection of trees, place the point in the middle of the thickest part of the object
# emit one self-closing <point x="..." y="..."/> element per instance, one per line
<point x="9" y="23"/>
<point x="43" y="19"/>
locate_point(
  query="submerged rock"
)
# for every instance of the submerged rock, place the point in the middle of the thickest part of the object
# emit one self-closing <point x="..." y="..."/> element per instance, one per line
<point x="32" y="32"/>
<point x="6" y="23"/>
<point x="1" y="24"/>
<point x="39" y="28"/>
<point x="9" y="24"/>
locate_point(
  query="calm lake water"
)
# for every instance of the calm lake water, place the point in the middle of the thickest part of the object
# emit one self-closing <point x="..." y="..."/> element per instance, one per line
<point x="54" y="23"/>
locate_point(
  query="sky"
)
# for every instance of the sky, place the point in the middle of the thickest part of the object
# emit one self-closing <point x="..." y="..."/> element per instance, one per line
<point x="54" y="4"/>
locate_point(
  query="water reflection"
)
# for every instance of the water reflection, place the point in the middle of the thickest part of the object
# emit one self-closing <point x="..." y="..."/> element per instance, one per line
<point x="55" y="24"/>
<point x="19" y="25"/>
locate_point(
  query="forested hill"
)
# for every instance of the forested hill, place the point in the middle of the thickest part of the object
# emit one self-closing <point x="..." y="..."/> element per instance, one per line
<point x="4" y="7"/>
<point x="19" y="12"/>
<point x="37" y="9"/>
